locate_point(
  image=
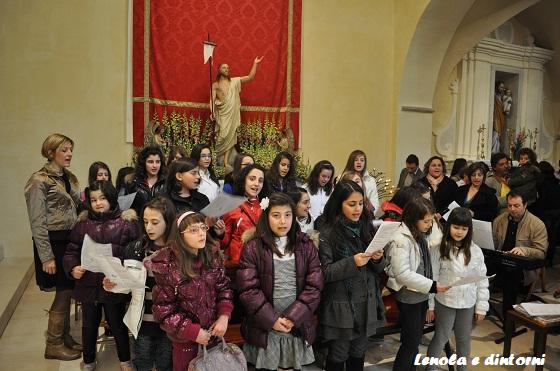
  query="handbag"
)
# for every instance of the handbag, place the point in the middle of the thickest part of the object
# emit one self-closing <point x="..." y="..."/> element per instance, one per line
<point x="221" y="357"/>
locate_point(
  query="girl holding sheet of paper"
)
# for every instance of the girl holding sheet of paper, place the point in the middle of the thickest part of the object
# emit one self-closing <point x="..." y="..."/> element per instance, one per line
<point x="410" y="275"/>
<point x="152" y="347"/>
<point x="458" y="257"/>
<point x="351" y="309"/>
<point x="104" y="223"/>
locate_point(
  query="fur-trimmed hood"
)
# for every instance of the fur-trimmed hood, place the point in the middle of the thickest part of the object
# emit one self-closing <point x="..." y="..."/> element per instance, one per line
<point x="126" y="215"/>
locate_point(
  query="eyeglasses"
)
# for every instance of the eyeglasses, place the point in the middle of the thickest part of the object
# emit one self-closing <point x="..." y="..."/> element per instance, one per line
<point x="194" y="229"/>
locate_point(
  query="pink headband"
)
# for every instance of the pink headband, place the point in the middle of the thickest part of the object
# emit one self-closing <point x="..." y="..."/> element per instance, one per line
<point x="183" y="216"/>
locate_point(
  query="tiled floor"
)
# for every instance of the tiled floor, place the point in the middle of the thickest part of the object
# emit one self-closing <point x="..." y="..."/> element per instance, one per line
<point x="22" y="344"/>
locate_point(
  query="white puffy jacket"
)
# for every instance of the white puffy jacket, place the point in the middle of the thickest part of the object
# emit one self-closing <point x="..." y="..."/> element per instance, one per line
<point x="447" y="271"/>
<point x="371" y="190"/>
<point x="403" y="258"/>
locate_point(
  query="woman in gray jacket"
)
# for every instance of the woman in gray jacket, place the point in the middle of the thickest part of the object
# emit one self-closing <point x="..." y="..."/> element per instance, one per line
<point x="52" y="196"/>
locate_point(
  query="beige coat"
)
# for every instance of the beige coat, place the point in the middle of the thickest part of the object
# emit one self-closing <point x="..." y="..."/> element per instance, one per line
<point x="531" y="238"/>
<point x="50" y="207"/>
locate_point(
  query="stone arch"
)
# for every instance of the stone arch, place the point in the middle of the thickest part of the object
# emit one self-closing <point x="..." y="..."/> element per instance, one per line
<point x="445" y="32"/>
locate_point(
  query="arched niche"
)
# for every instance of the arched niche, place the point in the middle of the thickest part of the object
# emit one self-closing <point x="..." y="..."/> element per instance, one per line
<point x="447" y="30"/>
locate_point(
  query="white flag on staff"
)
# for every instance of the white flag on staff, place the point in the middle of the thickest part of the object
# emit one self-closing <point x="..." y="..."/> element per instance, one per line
<point x="208" y="50"/>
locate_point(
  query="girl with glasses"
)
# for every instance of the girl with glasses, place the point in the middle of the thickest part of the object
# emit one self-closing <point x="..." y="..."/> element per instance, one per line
<point x="192" y="297"/>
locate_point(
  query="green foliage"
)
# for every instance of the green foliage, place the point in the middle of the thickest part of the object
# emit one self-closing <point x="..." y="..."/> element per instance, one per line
<point x="259" y="138"/>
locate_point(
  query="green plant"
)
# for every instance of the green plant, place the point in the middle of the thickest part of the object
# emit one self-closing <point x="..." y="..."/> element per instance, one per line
<point x="260" y="138"/>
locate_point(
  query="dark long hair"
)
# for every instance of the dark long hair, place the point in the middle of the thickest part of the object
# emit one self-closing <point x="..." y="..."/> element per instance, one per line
<point x="414" y="211"/>
<point x="165" y="207"/>
<point x="335" y="219"/>
<point x="273" y="175"/>
<point x="140" y="168"/>
<point x="313" y="179"/>
<point x="181" y="165"/>
<point x="460" y="216"/>
<point x="333" y="209"/>
<point x="108" y="190"/>
<point x="352" y="157"/>
<point x="296" y="197"/>
<point x="94" y="168"/>
<point x="195" y="154"/>
<point x="122" y="173"/>
<point x="239" y="185"/>
<point x="264" y="235"/>
<point x="186" y="255"/>
<point x="458" y="164"/>
<point x="405" y="195"/>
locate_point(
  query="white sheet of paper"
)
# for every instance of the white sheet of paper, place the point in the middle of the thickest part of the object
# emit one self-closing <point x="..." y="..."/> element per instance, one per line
<point x="538" y="309"/>
<point x="133" y="317"/>
<point x="113" y="270"/>
<point x="472" y="279"/>
<point x="91" y="250"/>
<point x="482" y="234"/>
<point x="382" y="236"/>
<point x="451" y="206"/>
<point x="126" y="201"/>
<point x="222" y="204"/>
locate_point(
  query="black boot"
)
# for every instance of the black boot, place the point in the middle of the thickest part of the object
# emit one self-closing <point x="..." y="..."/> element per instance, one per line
<point x="334" y="366"/>
<point x="355" y="364"/>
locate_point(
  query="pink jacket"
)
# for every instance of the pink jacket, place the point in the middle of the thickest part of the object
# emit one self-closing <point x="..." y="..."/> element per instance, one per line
<point x="183" y="306"/>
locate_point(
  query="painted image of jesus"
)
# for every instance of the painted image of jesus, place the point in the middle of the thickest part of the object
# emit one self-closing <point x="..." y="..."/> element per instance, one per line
<point x="225" y="105"/>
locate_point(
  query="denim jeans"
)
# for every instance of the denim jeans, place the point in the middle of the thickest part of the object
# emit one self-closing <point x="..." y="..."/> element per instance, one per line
<point x="153" y="350"/>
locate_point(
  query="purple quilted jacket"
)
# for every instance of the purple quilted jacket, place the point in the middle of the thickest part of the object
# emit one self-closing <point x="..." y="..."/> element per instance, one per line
<point x="114" y="227"/>
<point x="255" y="280"/>
<point x="183" y="306"/>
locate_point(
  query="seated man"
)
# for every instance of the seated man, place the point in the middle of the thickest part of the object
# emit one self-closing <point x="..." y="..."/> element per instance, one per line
<point x="520" y="233"/>
<point x="411" y="173"/>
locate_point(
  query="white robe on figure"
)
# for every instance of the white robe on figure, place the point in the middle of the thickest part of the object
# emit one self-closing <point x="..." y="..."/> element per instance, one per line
<point x="228" y="117"/>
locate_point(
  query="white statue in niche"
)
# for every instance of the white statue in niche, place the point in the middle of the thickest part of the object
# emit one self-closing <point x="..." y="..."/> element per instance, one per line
<point x="507" y="100"/>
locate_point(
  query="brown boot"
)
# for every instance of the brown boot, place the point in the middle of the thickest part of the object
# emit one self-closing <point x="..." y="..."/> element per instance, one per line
<point x="55" y="348"/>
<point x="69" y="342"/>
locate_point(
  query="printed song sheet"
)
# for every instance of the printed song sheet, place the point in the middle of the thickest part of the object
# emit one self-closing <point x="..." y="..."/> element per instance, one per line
<point x="222" y="204"/>
<point x="473" y="279"/>
<point x="382" y="236"/>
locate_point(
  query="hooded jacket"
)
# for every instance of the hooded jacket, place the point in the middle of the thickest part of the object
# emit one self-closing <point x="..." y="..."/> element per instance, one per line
<point x="183" y="306"/>
<point x="115" y="227"/>
<point x="255" y="280"/>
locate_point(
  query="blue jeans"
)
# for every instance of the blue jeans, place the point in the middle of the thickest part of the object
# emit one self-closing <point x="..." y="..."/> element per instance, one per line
<point x="152" y="350"/>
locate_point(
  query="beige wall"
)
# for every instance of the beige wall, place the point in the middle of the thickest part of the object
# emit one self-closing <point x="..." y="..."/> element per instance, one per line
<point x="352" y="60"/>
<point x="62" y="70"/>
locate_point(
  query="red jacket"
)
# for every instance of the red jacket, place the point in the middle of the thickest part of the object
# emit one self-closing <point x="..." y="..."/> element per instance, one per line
<point x="237" y="222"/>
<point x="255" y="280"/>
<point x="183" y="306"/>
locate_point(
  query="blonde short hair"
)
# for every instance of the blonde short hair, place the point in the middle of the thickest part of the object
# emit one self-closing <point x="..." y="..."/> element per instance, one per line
<point x="52" y="143"/>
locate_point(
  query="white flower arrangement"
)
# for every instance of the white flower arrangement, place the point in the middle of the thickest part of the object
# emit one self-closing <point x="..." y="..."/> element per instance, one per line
<point x="264" y="203"/>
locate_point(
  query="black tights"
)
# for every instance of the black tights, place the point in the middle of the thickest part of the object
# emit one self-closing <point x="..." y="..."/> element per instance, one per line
<point x="114" y="313"/>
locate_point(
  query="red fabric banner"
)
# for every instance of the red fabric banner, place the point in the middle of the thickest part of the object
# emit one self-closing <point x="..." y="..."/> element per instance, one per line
<point x="168" y="67"/>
